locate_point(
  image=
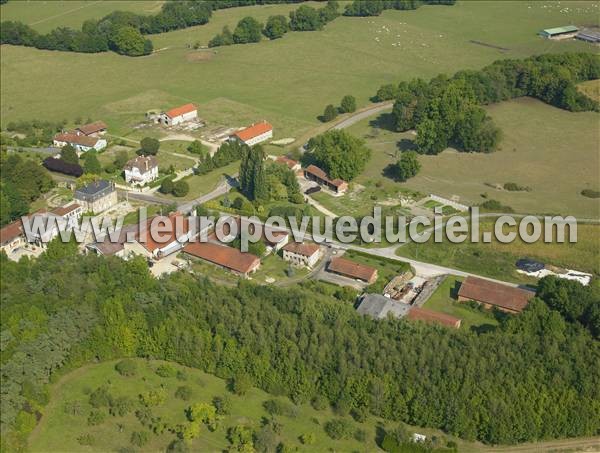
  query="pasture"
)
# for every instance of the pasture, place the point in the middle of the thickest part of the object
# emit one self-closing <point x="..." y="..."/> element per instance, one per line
<point x="60" y="428"/>
<point x="552" y="151"/>
<point x="286" y="81"/>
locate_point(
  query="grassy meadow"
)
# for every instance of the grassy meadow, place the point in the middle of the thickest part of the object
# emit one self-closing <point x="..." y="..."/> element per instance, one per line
<point x="58" y="430"/>
<point x="287" y="81"/>
<point x="552" y="151"/>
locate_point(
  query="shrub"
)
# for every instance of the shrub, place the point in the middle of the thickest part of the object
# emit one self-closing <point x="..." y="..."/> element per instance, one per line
<point x="339" y="429"/>
<point x="166" y="370"/>
<point x="121" y="406"/>
<point x="86" y="439"/>
<point x="167" y="186"/>
<point x="279" y="407"/>
<point x="180" y="188"/>
<point x="348" y="104"/>
<point x="240" y="384"/>
<point x="181" y="375"/>
<point x="319" y="403"/>
<point x="126" y="367"/>
<point x="139" y="438"/>
<point x="329" y="114"/>
<point x="96" y="417"/>
<point x="590" y="193"/>
<point x="360" y="435"/>
<point x="222" y="404"/>
<point x="149" y="146"/>
<point x="495" y="206"/>
<point x="153" y="397"/>
<point x="359" y="414"/>
<point x="514" y="187"/>
<point x="308" y="439"/>
<point x="100" y="397"/>
<point x="183" y="393"/>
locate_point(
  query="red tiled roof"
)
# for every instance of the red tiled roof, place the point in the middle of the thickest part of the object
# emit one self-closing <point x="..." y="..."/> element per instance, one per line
<point x="225" y="256"/>
<point x="179" y="225"/>
<point x="11" y="232"/>
<point x="319" y="173"/>
<point x="254" y="131"/>
<point x="352" y="269"/>
<point x="64" y="210"/>
<point x="493" y="293"/>
<point x="178" y="111"/>
<point x="291" y="163"/>
<point x="422" y="314"/>
<point x="71" y="137"/>
<point x="92" y="128"/>
<point x="302" y="248"/>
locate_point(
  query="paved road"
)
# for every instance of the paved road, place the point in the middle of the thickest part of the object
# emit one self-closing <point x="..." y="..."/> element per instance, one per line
<point x="223" y="187"/>
<point x="362" y="114"/>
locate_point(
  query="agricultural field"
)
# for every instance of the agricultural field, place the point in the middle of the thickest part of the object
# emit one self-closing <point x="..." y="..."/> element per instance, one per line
<point x="541" y="145"/>
<point x="497" y="260"/>
<point x="287" y="81"/>
<point x="60" y="428"/>
<point x="443" y="300"/>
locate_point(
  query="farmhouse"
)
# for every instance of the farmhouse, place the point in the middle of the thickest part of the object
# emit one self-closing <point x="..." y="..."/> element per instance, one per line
<point x="592" y="36"/>
<point x="141" y="170"/>
<point x="351" y="269"/>
<point x="162" y="236"/>
<point x="433" y="317"/>
<point x="97" y="196"/>
<point x="178" y="115"/>
<point x="229" y="258"/>
<point x="301" y="253"/>
<point x="12" y="237"/>
<point x="79" y="141"/>
<point x="491" y="294"/>
<point x="274" y="238"/>
<point x="377" y="306"/>
<point x="252" y="135"/>
<point x="71" y="213"/>
<point x="292" y="164"/>
<point x="566" y="32"/>
<point x="106" y="247"/>
<point x="314" y="173"/>
<point x="94" y="129"/>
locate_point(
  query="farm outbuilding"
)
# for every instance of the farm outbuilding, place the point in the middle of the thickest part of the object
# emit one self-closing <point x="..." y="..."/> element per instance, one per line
<point x="592" y="36"/>
<point x="566" y="32"/>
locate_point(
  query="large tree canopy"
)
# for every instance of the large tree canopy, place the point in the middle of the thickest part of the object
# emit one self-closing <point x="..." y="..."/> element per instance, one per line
<point x="340" y="154"/>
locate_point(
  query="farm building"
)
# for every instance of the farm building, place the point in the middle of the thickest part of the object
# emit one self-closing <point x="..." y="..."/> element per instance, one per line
<point x="292" y="164"/>
<point x="94" y="129"/>
<point x="106" y="247"/>
<point x="178" y="115"/>
<point x="79" y="141"/>
<point x="433" y="317"/>
<point x="302" y="253"/>
<point x="227" y="257"/>
<point x="377" y="306"/>
<point x="351" y="269"/>
<point x="566" y="32"/>
<point x="252" y="135"/>
<point x="12" y="236"/>
<point x="97" y="196"/>
<point x="592" y="36"/>
<point x="314" y="173"/>
<point x="491" y="294"/>
<point x="162" y="236"/>
<point x="141" y="170"/>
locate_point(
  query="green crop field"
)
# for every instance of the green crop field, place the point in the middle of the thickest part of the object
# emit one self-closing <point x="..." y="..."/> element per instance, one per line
<point x="59" y="428"/>
<point x="552" y="151"/>
<point x="287" y="81"/>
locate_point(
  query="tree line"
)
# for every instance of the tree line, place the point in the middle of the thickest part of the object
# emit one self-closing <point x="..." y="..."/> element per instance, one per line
<point x="121" y="31"/>
<point x="249" y="30"/>
<point x="533" y="377"/>
<point x="447" y="110"/>
<point x="376" y="7"/>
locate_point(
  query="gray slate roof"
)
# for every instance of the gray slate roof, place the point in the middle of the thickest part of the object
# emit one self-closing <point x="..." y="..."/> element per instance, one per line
<point x="378" y="306"/>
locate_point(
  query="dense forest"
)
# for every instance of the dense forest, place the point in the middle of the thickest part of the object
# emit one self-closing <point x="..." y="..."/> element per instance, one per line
<point x="376" y="7"/>
<point x="447" y="110"/>
<point x="536" y="376"/>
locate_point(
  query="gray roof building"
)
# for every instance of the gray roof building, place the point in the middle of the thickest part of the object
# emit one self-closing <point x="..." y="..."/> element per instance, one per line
<point x="378" y="306"/>
<point x="94" y="190"/>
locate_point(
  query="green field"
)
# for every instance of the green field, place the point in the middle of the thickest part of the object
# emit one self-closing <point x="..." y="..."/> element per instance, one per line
<point x="497" y="260"/>
<point x="553" y="151"/>
<point x="444" y="300"/>
<point x="58" y="430"/>
<point x="287" y="81"/>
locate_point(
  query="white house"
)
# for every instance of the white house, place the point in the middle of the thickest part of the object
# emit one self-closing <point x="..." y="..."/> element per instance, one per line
<point x="79" y="141"/>
<point x="71" y="213"/>
<point x="179" y="115"/>
<point x="302" y="254"/>
<point x="141" y="170"/>
<point x="257" y="133"/>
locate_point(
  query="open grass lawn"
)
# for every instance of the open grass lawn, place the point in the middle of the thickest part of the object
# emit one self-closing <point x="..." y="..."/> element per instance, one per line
<point x="286" y="81"/>
<point x="275" y="267"/>
<point x="498" y="260"/>
<point x="444" y="300"/>
<point x="591" y="88"/>
<point x="58" y="430"/>
<point x="553" y="151"/>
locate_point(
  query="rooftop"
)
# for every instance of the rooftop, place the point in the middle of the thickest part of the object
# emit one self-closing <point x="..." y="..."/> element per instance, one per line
<point x="143" y="163"/>
<point x="307" y="249"/>
<point x="64" y="210"/>
<point x="178" y="111"/>
<point x="94" y="187"/>
<point x="160" y="238"/>
<point x="71" y="137"/>
<point x="559" y="30"/>
<point x="254" y="131"/>
<point x="422" y="314"/>
<point x="92" y="128"/>
<point x="225" y="256"/>
<point x="319" y="173"/>
<point x="291" y="163"/>
<point x="377" y="306"/>
<point x="351" y="269"/>
<point x="11" y="231"/>
<point x="496" y="294"/>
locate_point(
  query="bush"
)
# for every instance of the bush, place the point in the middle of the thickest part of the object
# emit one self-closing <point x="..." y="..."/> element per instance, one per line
<point x="240" y="384"/>
<point x="153" y="397"/>
<point x="149" y="146"/>
<point x="276" y="27"/>
<point x="181" y="188"/>
<point x="514" y="187"/>
<point x="359" y="414"/>
<point x="308" y="439"/>
<point x="348" y="104"/>
<point x="181" y="375"/>
<point x="166" y="371"/>
<point x="222" y="404"/>
<point x="339" y="429"/>
<point x="139" y="438"/>
<point x="495" y="206"/>
<point x="126" y="367"/>
<point x="100" y="397"/>
<point x="183" y="393"/>
<point x="167" y="186"/>
<point x="86" y="439"/>
<point x="121" y="406"/>
<point x="590" y="193"/>
<point x="279" y="407"/>
<point x="329" y="114"/>
<point x="96" y="417"/>
<point x="248" y="30"/>
<point x="319" y="403"/>
<point x="196" y="147"/>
